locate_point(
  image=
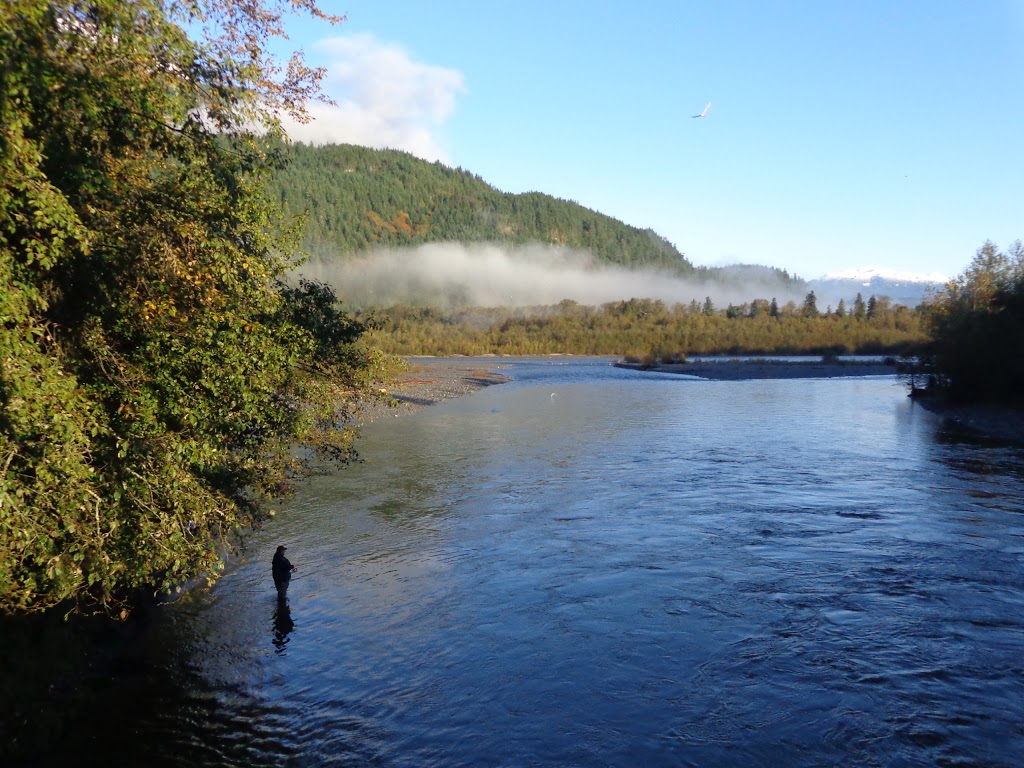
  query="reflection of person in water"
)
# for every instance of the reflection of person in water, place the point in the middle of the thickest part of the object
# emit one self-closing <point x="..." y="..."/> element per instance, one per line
<point x="282" y="570"/>
<point x="283" y="623"/>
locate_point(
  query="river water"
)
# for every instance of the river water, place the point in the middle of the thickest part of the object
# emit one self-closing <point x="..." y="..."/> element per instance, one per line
<point x="589" y="566"/>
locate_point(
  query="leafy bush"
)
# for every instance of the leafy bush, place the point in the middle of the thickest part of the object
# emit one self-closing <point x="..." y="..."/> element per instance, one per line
<point x="155" y="371"/>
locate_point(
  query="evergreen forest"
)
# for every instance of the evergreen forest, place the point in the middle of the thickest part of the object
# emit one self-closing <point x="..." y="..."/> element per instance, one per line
<point x="355" y="199"/>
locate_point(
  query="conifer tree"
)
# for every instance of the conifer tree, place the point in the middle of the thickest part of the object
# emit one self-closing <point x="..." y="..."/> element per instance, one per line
<point x="859" y="310"/>
<point x="810" y="307"/>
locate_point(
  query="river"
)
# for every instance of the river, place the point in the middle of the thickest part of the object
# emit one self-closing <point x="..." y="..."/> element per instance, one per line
<point x="589" y="566"/>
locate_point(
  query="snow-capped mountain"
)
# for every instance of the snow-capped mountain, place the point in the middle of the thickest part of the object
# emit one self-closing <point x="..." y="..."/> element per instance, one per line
<point x="866" y="274"/>
<point x="907" y="288"/>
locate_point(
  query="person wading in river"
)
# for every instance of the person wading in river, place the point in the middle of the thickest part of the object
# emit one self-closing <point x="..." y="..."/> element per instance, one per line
<point x="282" y="570"/>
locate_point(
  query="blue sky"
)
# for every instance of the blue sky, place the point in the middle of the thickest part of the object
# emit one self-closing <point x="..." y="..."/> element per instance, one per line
<point x="841" y="134"/>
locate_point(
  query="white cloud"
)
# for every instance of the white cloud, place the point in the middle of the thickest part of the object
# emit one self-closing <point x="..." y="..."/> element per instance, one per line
<point x="384" y="98"/>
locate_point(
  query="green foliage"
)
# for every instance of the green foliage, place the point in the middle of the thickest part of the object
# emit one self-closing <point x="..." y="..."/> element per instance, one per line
<point x="154" y="370"/>
<point x="977" y="327"/>
<point x="641" y="328"/>
<point x="355" y="198"/>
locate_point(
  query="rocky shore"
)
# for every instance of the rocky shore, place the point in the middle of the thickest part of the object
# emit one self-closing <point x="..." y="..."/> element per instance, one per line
<point x="428" y="382"/>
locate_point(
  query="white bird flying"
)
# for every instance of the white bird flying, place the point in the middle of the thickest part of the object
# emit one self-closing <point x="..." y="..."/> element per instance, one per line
<point x="702" y="114"/>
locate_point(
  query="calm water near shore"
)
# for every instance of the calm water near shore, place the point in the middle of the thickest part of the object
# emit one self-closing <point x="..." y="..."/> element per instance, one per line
<point x="591" y="566"/>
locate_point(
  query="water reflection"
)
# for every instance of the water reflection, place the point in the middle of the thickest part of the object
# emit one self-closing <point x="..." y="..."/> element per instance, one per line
<point x="639" y="571"/>
<point x="283" y="624"/>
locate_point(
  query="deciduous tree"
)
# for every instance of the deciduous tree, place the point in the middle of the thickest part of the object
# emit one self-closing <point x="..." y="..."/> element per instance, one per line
<point x="155" y="370"/>
<point x="977" y="327"/>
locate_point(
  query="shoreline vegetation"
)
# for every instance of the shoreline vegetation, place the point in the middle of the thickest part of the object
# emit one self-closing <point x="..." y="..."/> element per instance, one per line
<point x="429" y="381"/>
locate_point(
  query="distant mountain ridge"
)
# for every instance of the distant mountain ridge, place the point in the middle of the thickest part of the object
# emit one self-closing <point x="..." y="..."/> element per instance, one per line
<point x="867" y="274"/>
<point x="906" y="288"/>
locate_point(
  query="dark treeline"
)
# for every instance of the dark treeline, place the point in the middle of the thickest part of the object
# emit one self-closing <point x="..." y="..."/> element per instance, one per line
<point x="976" y="326"/>
<point x="649" y="329"/>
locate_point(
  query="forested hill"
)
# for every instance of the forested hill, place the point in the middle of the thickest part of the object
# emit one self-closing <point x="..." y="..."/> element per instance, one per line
<point x="357" y="198"/>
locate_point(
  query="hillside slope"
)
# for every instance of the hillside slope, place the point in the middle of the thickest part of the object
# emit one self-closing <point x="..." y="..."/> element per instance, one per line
<point x="356" y="198"/>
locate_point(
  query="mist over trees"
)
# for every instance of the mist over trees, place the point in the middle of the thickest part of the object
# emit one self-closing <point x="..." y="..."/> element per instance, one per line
<point x="362" y="202"/>
<point x="155" y="371"/>
<point x="458" y="267"/>
<point x="389" y="228"/>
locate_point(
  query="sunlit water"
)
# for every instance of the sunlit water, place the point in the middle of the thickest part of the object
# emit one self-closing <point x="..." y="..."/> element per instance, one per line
<point x="597" y="567"/>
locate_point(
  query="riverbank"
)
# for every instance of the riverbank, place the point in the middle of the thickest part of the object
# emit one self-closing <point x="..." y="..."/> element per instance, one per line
<point x="428" y="382"/>
<point x="989" y="421"/>
<point x="740" y="369"/>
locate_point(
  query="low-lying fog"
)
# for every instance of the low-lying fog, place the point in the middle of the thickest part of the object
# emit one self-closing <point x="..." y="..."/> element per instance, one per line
<point x="448" y="274"/>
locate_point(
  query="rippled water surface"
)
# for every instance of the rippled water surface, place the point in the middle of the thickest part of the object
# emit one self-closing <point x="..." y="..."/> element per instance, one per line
<point x="597" y="567"/>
